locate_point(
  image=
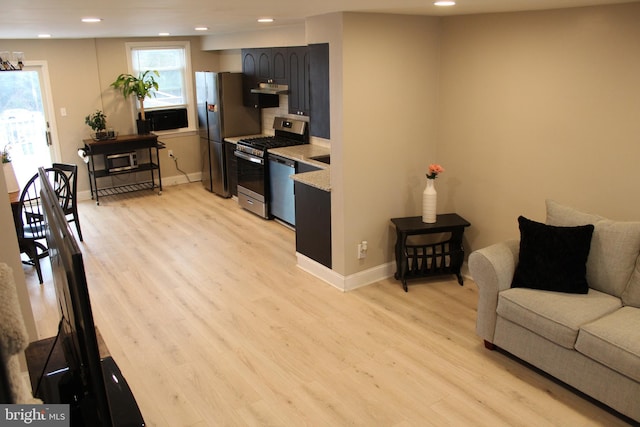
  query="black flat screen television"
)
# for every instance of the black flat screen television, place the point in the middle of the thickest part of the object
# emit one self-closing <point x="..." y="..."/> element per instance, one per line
<point x="94" y="388"/>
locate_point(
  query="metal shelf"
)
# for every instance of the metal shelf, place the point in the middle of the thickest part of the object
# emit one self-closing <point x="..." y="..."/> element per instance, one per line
<point x="123" y="144"/>
<point x="128" y="188"/>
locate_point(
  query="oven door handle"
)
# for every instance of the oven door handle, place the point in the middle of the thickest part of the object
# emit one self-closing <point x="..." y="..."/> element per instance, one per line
<point x="248" y="157"/>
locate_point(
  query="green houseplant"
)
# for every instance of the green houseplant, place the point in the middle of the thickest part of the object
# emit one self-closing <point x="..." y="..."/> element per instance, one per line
<point x="142" y="86"/>
<point x="98" y="122"/>
<point x="7" y="169"/>
<point x="5" y="154"/>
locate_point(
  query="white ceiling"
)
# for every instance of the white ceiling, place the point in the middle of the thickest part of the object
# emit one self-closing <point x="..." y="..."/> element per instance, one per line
<point x="26" y="19"/>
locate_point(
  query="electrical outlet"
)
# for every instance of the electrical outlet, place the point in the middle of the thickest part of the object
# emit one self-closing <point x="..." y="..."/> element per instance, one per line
<point x="362" y="249"/>
<point x="171" y="154"/>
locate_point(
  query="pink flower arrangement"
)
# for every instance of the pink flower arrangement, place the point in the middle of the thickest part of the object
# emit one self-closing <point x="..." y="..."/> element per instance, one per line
<point x="434" y="170"/>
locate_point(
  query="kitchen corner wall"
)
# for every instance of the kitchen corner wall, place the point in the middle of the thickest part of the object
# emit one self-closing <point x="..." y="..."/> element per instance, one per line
<point x="389" y="127"/>
<point x="518" y="108"/>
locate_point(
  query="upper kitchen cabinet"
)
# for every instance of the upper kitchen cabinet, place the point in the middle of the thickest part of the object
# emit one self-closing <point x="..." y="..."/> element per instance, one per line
<point x="258" y="66"/>
<point x="265" y="65"/>
<point x="298" y="65"/>
<point x="304" y="69"/>
<point x="320" y="120"/>
<point x="279" y="69"/>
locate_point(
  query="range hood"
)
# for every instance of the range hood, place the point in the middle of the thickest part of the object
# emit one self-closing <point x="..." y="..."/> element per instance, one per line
<point x="271" y="89"/>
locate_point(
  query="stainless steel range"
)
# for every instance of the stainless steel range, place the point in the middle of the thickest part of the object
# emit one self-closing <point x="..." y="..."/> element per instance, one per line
<point x="253" y="173"/>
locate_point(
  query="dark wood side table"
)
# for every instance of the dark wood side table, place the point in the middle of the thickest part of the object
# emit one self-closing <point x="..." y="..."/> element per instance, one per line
<point x="429" y="259"/>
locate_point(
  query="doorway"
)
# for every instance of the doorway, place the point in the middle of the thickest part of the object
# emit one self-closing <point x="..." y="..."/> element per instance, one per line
<point x="25" y="124"/>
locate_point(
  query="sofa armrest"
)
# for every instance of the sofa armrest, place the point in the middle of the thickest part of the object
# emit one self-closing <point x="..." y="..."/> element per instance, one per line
<point x="492" y="269"/>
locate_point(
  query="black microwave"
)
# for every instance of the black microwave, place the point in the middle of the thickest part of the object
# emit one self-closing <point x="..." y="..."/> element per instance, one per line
<point x="121" y="162"/>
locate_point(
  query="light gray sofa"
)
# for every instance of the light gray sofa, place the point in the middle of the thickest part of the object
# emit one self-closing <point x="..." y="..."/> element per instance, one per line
<point x="13" y="340"/>
<point x="590" y="341"/>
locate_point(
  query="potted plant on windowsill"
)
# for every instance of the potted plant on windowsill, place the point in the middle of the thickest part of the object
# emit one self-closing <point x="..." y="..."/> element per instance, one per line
<point x="142" y="86"/>
<point x="98" y="122"/>
<point x="7" y="169"/>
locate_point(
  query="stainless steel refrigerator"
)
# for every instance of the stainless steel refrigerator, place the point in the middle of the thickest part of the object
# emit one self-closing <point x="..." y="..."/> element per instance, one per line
<point x="221" y="115"/>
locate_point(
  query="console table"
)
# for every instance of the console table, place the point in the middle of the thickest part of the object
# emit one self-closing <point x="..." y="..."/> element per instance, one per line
<point x="429" y="259"/>
<point x="146" y="145"/>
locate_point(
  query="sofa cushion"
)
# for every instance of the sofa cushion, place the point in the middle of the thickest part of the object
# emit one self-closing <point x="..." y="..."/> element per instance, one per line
<point x="553" y="315"/>
<point x="614" y="247"/>
<point x="552" y="258"/>
<point x="558" y="214"/>
<point x="614" y="341"/>
<point x="631" y="294"/>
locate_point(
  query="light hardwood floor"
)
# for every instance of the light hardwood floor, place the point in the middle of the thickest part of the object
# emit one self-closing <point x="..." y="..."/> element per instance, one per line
<point x="204" y="310"/>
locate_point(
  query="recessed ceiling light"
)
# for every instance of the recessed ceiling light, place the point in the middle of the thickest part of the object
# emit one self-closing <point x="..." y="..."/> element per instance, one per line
<point x="163" y="34"/>
<point x="91" y="20"/>
<point x="265" y="20"/>
<point x="44" y="36"/>
<point x="201" y="28"/>
<point x="444" y="3"/>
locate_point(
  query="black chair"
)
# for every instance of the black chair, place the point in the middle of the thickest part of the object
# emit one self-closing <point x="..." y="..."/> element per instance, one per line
<point x="31" y="227"/>
<point x="72" y="210"/>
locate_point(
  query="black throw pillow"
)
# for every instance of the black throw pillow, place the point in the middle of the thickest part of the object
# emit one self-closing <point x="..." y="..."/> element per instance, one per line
<point x="553" y="258"/>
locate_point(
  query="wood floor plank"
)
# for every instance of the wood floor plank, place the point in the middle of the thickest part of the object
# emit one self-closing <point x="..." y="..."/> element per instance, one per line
<point x="213" y="324"/>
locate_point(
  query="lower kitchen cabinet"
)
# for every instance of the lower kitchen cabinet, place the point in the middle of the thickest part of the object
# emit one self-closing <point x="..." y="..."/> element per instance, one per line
<point x="313" y="223"/>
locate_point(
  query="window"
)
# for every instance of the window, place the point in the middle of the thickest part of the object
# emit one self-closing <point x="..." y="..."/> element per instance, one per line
<point x="172" y="60"/>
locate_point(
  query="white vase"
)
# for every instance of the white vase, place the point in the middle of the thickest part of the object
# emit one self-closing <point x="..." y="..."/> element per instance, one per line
<point x="429" y="201"/>
<point x="10" y="177"/>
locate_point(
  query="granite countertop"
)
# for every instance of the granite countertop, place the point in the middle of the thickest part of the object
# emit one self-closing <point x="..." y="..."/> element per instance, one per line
<point x="301" y="153"/>
<point x="320" y="179"/>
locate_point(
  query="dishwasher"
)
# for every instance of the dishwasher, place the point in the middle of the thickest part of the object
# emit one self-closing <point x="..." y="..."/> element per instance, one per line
<point x="281" y="189"/>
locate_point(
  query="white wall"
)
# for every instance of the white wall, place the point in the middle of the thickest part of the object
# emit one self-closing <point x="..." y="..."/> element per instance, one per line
<point x="539" y="105"/>
<point x="390" y="100"/>
<point x="10" y="255"/>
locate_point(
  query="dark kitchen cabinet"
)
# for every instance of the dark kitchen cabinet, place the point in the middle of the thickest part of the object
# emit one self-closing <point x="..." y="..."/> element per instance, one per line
<point x="313" y="222"/>
<point x="298" y="65"/>
<point x="231" y="162"/>
<point x="281" y="65"/>
<point x="305" y="167"/>
<point x="269" y="64"/>
<point x="305" y="69"/>
<point x="258" y="67"/>
<point x="319" y="110"/>
<point x="279" y="69"/>
<point x="250" y="76"/>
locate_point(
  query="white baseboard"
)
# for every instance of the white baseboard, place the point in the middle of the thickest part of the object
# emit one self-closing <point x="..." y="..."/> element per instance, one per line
<point x="345" y="283"/>
<point x="167" y="181"/>
<point x="357" y="280"/>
